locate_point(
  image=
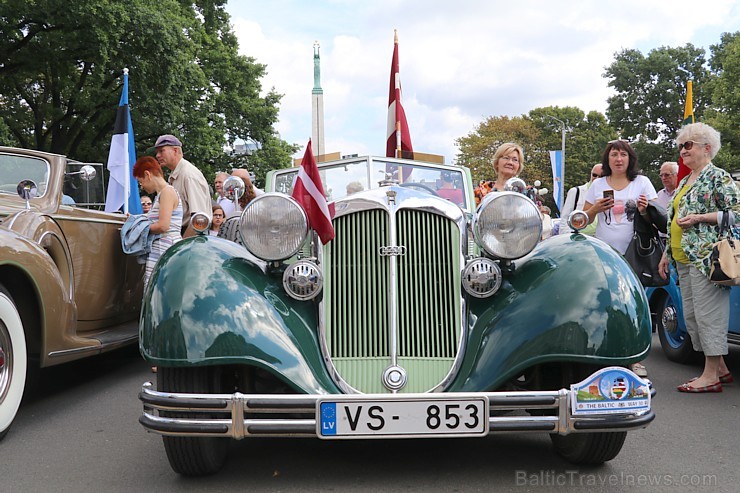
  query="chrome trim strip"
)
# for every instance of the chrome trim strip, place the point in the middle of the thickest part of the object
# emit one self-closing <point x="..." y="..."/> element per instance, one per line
<point x="94" y="349"/>
<point x="225" y="415"/>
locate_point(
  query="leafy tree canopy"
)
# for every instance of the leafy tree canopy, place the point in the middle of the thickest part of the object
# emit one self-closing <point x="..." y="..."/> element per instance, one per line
<point x="60" y="78"/>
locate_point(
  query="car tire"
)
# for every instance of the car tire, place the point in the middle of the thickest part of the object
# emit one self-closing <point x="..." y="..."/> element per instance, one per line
<point x="13" y="361"/>
<point x="589" y="448"/>
<point x="192" y="456"/>
<point x="675" y="341"/>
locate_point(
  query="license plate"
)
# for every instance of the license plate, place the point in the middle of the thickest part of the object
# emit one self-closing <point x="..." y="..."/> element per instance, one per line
<point x="401" y="417"/>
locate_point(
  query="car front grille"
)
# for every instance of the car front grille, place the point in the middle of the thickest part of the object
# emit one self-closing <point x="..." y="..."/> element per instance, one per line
<point x="356" y="305"/>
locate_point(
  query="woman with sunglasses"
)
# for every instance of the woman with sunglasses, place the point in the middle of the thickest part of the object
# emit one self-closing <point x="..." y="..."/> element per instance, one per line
<point x="615" y="198"/>
<point x="508" y="162"/>
<point x="693" y="215"/>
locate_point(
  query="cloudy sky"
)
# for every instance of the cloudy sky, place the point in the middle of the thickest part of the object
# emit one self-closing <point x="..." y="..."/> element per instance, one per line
<point x="461" y="61"/>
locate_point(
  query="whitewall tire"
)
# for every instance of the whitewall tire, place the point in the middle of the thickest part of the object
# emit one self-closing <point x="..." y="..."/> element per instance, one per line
<point x="13" y="361"/>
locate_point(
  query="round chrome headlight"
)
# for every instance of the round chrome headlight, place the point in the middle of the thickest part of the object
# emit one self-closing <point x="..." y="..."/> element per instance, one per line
<point x="507" y="225"/>
<point x="273" y="227"/>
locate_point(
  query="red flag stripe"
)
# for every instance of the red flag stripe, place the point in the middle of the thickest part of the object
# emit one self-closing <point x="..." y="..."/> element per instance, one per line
<point x="309" y="192"/>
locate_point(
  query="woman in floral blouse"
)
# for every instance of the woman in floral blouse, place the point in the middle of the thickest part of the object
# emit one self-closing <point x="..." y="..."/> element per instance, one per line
<point x="693" y="215"/>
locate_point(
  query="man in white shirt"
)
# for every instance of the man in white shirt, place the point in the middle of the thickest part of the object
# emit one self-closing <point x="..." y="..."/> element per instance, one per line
<point x="574" y="201"/>
<point x="669" y="178"/>
<point x="218" y="183"/>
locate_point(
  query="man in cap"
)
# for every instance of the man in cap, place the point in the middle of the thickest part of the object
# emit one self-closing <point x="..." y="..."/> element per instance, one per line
<point x="187" y="180"/>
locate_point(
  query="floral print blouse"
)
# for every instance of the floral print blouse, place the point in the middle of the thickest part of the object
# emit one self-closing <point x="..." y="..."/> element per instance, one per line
<point x="714" y="190"/>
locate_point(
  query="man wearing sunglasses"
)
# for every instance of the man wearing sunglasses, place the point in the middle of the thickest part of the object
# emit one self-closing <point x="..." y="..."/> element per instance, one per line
<point x="669" y="178"/>
<point x="574" y="201"/>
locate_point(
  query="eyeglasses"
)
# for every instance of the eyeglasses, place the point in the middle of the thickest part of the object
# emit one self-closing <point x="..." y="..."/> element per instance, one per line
<point x="689" y="144"/>
<point x="509" y="158"/>
<point x="666" y="175"/>
<point x="595" y="175"/>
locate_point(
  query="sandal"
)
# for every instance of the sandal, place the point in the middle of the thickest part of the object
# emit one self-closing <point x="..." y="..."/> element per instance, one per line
<point x="639" y="369"/>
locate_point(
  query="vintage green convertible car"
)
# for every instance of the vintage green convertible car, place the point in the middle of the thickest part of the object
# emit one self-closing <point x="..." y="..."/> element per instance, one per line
<point x="423" y="317"/>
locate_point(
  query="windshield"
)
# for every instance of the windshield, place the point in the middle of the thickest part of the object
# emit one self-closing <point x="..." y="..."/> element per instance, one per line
<point x="14" y="169"/>
<point x="347" y="178"/>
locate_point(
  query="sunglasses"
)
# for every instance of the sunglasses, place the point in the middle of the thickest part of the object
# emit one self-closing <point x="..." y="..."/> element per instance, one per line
<point x="689" y="144"/>
<point x="594" y="175"/>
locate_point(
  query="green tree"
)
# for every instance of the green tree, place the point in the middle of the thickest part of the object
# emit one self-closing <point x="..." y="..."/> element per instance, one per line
<point x="60" y="77"/>
<point x="538" y="133"/>
<point x="650" y="98"/>
<point x="724" y="114"/>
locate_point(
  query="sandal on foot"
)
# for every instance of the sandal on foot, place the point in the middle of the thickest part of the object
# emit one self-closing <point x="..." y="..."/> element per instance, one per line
<point x="639" y="369"/>
<point x="687" y="387"/>
<point x="726" y="378"/>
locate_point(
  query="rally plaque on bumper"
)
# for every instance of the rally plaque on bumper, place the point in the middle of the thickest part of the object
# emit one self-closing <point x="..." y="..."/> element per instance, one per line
<point x="402" y="416"/>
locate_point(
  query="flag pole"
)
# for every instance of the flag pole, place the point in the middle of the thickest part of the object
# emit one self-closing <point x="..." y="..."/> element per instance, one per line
<point x="127" y="180"/>
<point x="399" y="152"/>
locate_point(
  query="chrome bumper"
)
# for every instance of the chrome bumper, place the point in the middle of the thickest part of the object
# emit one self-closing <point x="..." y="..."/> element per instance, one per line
<point x="246" y="415"/>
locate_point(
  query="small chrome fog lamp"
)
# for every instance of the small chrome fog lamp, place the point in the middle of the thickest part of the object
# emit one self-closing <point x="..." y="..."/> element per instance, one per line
<point x="303" y="280"/>
<point x="577" y="220"/>
<point x="481" y="277"/>
<point x="515" y="184"/>
<point x="200" y="222"/>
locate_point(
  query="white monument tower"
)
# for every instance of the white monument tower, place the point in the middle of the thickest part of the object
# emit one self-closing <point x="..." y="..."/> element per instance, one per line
<point x="317" y="106"/>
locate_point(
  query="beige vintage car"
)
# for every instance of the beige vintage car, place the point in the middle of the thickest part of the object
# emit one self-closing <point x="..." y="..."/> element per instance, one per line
<point x="67" y="290"/>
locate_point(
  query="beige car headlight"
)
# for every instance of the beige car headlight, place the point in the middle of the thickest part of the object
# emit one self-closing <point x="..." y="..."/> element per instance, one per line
<point x="507" y="225"/>
<point x="273" y="227"/>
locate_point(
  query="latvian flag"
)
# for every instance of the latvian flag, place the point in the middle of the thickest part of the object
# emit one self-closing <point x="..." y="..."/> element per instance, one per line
<point x="309" y="192"/>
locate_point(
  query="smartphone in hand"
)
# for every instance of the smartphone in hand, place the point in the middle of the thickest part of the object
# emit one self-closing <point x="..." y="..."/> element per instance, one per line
<point x="609" y="194"/>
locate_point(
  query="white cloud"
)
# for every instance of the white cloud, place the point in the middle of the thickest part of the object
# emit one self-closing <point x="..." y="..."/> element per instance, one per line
<point x="460" y="61"/>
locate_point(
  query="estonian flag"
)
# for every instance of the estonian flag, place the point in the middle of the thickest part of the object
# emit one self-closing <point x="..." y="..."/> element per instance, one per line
<point x="123" y="192"/>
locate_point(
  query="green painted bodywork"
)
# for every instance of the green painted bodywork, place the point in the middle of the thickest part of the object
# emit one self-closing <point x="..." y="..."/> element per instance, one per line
<point x="572" y="299"/>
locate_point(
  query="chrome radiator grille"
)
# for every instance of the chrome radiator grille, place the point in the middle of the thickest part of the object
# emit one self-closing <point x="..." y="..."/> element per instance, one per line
<point x="357" y="298"/>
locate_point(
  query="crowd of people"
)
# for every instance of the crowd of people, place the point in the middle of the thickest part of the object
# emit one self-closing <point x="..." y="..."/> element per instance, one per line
<point x="690" y="211"/>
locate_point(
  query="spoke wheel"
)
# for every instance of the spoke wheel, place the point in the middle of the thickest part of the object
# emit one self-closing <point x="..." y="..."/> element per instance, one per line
<point x="192" y="456"/>
<point x="13" y="361"/>
<point x="674" y="340"/>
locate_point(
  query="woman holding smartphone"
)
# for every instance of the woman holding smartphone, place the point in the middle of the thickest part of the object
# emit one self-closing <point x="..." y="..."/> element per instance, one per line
<point x="616" y="197"/>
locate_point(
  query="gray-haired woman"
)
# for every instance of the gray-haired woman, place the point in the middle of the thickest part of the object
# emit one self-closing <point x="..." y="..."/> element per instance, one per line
<point x="693" y="215"/>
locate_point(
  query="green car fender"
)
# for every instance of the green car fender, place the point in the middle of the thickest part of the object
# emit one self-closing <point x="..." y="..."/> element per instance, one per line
<point x="208" y="304"/>
<point x="574" y="298"/>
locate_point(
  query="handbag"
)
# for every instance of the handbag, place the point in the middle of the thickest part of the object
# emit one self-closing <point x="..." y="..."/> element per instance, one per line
<point x="644" y="254"/>
<point x="725" y="256"/>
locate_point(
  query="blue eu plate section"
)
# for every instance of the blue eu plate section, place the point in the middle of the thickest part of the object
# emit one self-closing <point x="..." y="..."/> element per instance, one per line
<point x="610" y="390"/>
<point x="328" y="418"/>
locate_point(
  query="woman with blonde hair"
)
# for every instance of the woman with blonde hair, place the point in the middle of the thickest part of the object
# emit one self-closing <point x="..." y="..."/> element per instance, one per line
<point x="507" y="162"/>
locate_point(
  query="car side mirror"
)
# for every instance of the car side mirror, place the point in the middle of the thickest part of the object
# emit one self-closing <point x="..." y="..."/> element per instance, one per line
<point x="87" y="173"/>
<point x="27" y="190"/>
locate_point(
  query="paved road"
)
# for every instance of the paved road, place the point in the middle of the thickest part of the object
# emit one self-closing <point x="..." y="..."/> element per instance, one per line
<point x="83" y="435"/>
